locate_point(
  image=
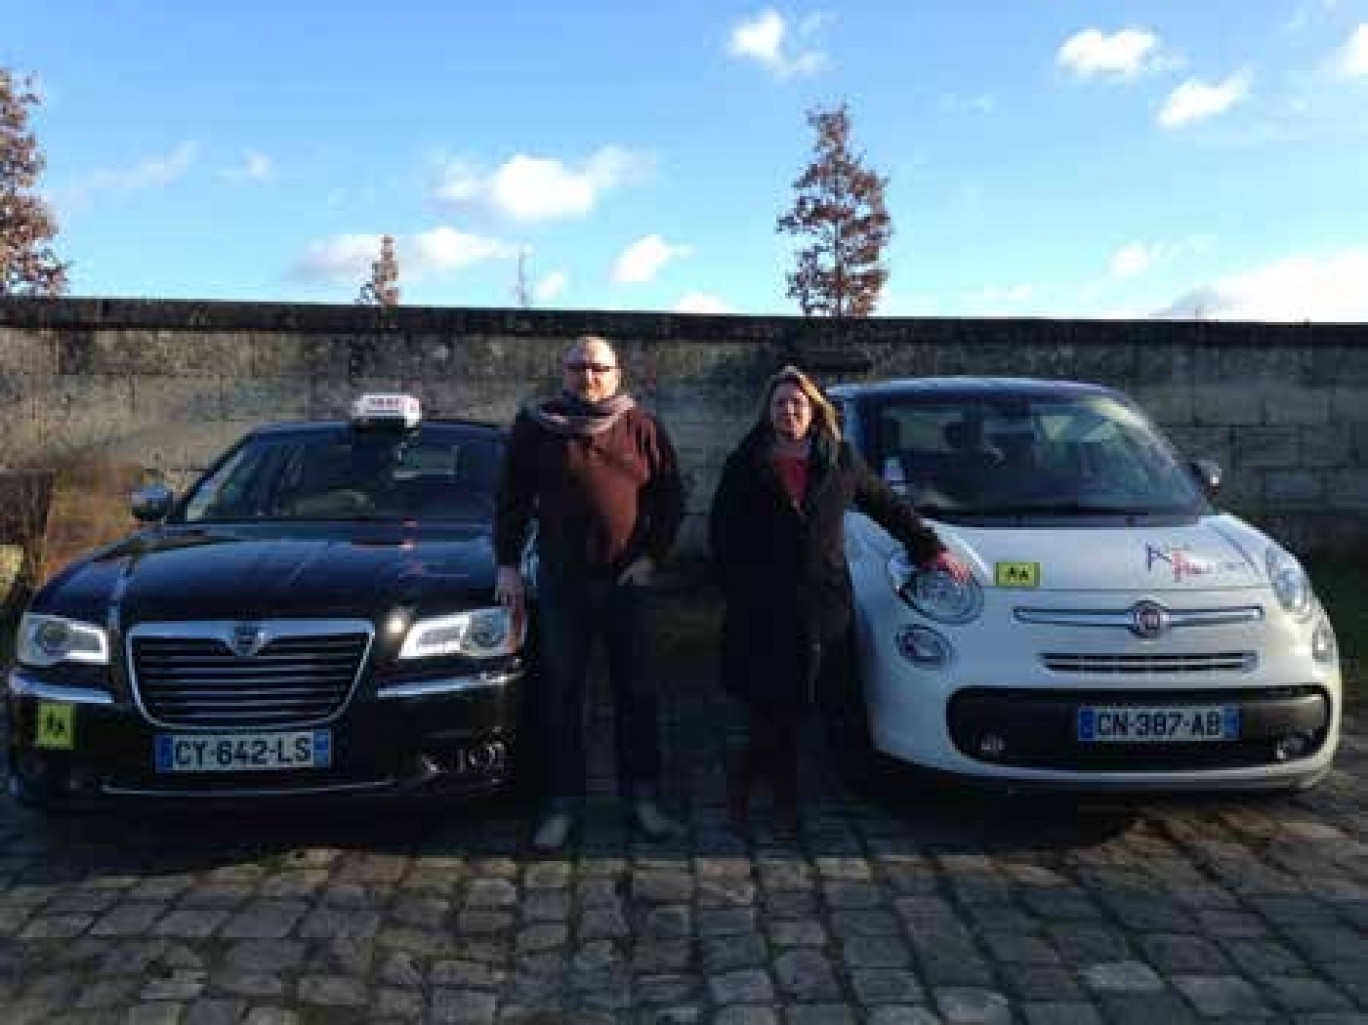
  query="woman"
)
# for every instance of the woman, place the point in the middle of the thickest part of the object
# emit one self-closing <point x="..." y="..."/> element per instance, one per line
<point x="778" y="544"/>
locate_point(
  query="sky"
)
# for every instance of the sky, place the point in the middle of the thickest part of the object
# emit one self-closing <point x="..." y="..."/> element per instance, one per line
<point x="1055" y="158"/>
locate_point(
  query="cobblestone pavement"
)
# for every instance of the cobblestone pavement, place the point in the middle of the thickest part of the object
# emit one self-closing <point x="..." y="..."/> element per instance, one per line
<point x="898" y="911"/>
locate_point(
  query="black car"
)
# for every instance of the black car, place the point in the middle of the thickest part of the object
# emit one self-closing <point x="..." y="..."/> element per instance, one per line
<point x="314" y="617"/>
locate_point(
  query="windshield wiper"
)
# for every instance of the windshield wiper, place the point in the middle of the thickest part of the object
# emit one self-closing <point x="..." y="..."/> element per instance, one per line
<point x="1067" y="509"/>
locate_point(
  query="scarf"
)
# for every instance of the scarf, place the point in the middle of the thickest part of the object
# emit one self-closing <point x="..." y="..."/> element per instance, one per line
<point x="573" y="416"/>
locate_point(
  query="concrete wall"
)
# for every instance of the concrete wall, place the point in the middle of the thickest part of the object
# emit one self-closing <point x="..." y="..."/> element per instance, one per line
<point x="167" y="385"/>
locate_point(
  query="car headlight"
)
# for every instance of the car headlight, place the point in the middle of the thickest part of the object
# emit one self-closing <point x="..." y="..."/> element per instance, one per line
<point x="479" y="633"/>
<point x="1290" y="583"/>
<point x="934" y="593"/>
<point x="48" y="640"/>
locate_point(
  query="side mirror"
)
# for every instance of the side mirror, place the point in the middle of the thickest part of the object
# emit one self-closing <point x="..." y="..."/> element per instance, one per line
<point x="1208" y="474"/>
<point x="152" y="503"/>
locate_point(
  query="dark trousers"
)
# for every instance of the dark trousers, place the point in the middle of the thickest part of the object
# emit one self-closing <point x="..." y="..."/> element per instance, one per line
<point x="572" y="612"/>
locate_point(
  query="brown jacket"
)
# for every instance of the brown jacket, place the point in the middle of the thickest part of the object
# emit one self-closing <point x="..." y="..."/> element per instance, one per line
<point x="600" y="501"/>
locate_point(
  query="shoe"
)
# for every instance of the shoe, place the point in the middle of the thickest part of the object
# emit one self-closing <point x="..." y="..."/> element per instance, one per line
<point x="553" y="831"/>
<point x="740" y="778"/>
<point x="652" y="821"/>
<point x="786" y="826"/>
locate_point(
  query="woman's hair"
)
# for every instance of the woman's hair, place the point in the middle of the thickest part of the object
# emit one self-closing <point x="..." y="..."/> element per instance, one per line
<point x="823" y="412"/>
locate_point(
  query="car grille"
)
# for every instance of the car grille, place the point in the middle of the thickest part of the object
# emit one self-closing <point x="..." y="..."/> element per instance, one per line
<point x="187" y="678"/>
<point x="1133" y="664"/>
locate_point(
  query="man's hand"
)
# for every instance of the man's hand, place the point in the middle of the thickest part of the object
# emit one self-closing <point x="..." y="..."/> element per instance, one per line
<point x="639" y="572"/>
<point x="950" y="564"/>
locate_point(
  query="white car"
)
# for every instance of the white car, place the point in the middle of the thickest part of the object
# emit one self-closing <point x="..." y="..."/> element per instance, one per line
<point x="1120" y="632"/>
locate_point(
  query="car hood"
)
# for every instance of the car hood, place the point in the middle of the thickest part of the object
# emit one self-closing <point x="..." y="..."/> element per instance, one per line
<point x="353" y="572"/>
<point x="1208" y="553"/>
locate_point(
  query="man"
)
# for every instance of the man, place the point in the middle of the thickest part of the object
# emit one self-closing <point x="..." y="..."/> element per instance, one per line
<point x="600" y="476"/>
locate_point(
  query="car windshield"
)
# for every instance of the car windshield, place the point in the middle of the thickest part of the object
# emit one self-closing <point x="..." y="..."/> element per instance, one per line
<point x="1024" y="454"/>
<point x="435" y="473"/>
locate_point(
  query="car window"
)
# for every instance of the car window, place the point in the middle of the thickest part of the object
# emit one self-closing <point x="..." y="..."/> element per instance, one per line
<point x="433" y="474"/>
<point x="1088" y="453"/>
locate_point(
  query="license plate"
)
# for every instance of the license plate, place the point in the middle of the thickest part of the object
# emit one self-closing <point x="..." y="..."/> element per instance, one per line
<point x="1144" y="724"/>
<point x="243" y="752"/>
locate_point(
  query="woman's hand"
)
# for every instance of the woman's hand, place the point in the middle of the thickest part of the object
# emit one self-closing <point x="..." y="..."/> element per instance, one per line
<point x="948" y="563"/>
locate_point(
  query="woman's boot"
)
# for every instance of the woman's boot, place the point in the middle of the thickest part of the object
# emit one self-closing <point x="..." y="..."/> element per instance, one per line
<point x="740" y="770"/>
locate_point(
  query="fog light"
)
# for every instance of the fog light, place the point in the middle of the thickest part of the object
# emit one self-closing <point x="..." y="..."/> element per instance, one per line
<point x="992" y="745"/>
<point x="485" y="758"/>
<point x="923" y="646"/>
<point x="1293" y="745"/>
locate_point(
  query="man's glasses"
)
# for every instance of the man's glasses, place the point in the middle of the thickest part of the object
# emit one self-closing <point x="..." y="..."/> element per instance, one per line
<point x="580" y="367"/>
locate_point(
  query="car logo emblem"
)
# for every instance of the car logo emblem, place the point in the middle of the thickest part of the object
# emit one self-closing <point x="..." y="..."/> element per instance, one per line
<point x="1148" y="619"/>
<point x="247" y="639"/>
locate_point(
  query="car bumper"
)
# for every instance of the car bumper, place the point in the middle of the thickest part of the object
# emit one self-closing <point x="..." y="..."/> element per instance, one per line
<point x="455" y="737"/>
<point x="992" y="717"/>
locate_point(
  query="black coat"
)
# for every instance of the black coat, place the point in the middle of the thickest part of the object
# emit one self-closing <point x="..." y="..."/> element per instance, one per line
<point x="782" y="564"/>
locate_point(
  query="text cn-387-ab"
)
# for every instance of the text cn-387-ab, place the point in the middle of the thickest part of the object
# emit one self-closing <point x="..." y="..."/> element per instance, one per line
<point x="312" y="618"/>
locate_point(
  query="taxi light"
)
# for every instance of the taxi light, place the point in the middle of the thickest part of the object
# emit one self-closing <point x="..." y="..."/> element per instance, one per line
<point x="387" y="410"/>
<point x="48" y="640"/>
<point x="479" y="633"/>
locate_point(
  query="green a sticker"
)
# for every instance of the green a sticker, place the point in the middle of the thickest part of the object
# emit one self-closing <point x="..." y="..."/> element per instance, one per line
<point x="1016" y="574"/>
<point x="54" y="728"/>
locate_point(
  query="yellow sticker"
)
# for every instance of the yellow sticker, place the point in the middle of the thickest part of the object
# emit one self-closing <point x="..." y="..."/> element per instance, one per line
<point x="55" y="726"/>
<point x="1016" y="574"/>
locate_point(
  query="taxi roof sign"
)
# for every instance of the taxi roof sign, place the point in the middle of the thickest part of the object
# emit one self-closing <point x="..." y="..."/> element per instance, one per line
<point x="387" y="410"/>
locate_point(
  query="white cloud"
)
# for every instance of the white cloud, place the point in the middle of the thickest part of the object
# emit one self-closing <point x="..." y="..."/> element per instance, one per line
<point x="644" y="258"/>
<point x="347" y="258"/>
<point x="552" y="285"/>
<point x="444" y="248"/>
<point x="1123" y="54"/>
<point x="531" y="188"/>
<point x="1196" y="100"/>
<point x="766" y="39"/>
<point x="1323" y="288"/>
<point x="701" y="302"/>
<point x="1136" y="258"/>
<point x="255" y="167"/>
<point x="1132" y="259"/>
<point x="147" y="173"/>
<point x="1351" y="59"/>
<point x="340" y="259"/>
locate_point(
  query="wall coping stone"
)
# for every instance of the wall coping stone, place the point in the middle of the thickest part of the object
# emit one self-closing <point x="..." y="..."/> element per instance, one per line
<point x="795" y="331"/>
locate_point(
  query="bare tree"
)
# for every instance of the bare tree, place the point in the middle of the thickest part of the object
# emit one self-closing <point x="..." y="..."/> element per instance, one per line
<point x="28" y="265"/>
<point x="522" y="287"/>
<point x="382" y="289"/>
<point x="840" y="208"/>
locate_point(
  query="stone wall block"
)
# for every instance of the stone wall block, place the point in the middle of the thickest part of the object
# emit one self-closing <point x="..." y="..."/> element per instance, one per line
<point x="263" y="400"/>
<point x="27" y="352"/>
<point x="175" y="400"/>
<point x="1343" y="365"/>
<point x="1324" y="445"/>
<point x="1168" y="404"/>
<point x="1296" y="405"/>
<point x="1349" y="488"/>
<point x="1293" y="487"/>
<point x="279" y="355"/>
<point x="1203" y="443"/>
<point x="1229" y="404"/>
<point x="1267" y="447"/>
<point x="1358" y="444"/>
<point x="1249" y="363"/>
